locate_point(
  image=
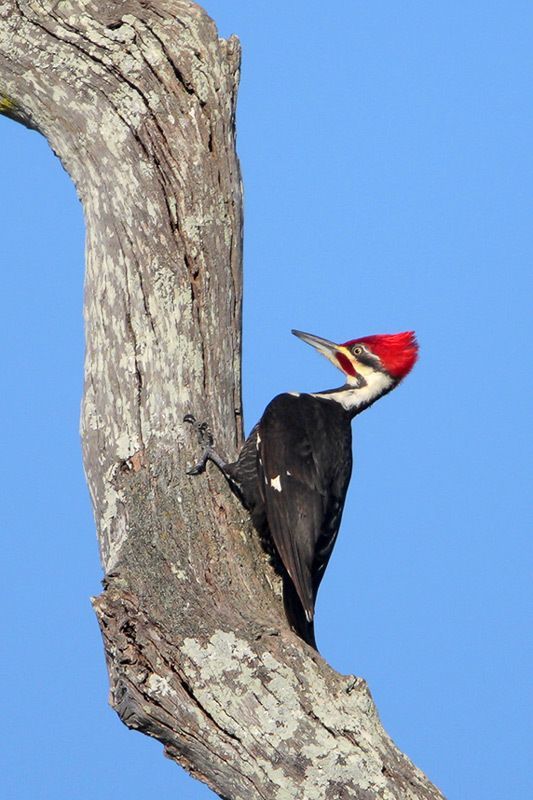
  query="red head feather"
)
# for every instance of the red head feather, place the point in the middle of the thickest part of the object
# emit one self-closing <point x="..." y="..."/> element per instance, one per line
<point x="396" y="351"/>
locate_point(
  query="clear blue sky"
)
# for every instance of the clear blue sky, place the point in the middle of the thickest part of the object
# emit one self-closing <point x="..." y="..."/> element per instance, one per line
<point x="386" y="151"/>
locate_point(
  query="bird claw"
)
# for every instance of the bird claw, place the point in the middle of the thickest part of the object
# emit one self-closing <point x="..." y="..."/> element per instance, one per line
<point x="205" y="437"/>
<point x="198" y="468"/>
<point x="208" y="455"/>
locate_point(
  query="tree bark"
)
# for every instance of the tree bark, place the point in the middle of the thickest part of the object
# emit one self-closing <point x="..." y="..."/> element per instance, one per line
<point x="137" y="98"/>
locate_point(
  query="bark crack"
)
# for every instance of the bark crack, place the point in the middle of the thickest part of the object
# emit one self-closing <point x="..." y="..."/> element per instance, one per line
<point x="135" y="347"/>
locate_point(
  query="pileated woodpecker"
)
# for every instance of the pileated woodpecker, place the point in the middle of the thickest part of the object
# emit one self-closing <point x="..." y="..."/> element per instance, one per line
<point x="293" y="471"/>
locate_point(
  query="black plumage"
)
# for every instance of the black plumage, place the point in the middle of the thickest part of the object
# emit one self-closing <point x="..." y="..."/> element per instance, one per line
<point x="293" y="470"/>
<point x="292" y="474"/>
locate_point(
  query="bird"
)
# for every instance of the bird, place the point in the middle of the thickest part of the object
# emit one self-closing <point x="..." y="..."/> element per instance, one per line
<point x="293" y="471"/>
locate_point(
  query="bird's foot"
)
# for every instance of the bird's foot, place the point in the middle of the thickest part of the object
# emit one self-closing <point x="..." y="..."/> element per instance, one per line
<point x="207" y="455"/>
<point x="205" y="438"/>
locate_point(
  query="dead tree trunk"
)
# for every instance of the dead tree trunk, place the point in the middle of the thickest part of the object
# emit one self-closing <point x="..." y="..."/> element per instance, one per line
<point x="137" y="98"/>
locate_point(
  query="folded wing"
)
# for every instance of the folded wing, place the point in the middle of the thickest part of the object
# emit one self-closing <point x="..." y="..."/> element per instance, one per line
<point x="303" y="487"/>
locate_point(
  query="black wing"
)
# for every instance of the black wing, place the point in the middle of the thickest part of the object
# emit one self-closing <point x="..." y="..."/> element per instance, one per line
<point x="305" y="466"/>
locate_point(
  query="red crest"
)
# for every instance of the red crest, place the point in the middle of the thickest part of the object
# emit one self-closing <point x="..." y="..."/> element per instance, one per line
<point x="396" y="351"/>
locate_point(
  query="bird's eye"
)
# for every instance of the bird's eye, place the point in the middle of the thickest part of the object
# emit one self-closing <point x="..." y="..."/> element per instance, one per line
<point x="357" y="351"/>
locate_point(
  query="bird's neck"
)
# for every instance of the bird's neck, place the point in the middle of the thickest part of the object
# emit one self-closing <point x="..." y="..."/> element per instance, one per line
<point x="361" y="393"/>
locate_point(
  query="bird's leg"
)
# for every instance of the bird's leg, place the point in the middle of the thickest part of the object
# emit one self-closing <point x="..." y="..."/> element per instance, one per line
<point x="205" y="437"/>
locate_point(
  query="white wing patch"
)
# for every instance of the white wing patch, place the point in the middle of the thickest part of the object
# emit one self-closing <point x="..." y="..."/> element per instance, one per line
<point x="276" y="483"/>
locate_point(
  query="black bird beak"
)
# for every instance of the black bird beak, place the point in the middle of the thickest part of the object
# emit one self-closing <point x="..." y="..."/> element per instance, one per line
<point x="324" y="346"/>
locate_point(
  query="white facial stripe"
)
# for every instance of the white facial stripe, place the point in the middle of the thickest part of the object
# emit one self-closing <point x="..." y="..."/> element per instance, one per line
<point x="365" y="369"/>
<point x="377" y="384"/>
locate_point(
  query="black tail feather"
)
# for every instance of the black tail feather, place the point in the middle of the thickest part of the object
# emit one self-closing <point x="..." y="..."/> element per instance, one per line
<point x="296" y="614"/>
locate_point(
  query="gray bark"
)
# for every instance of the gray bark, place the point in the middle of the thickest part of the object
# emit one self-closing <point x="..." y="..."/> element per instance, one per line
<point x="137" y="98"/>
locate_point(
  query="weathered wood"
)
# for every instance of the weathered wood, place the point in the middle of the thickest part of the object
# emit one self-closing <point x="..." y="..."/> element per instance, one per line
<point x="137" y="98"/>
